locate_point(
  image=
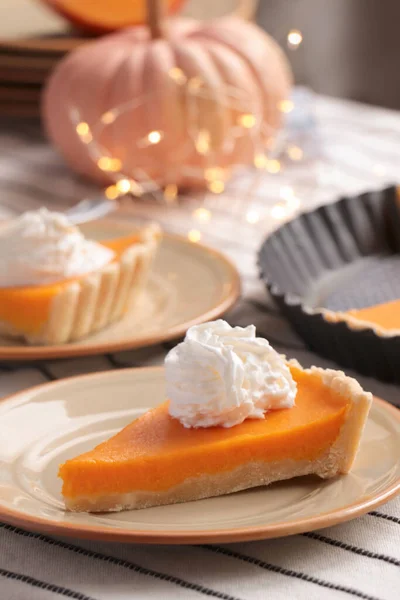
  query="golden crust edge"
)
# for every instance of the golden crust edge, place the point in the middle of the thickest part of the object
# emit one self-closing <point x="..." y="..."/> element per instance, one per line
<point x="356" y="324"/>
<point x="352" y="430"/>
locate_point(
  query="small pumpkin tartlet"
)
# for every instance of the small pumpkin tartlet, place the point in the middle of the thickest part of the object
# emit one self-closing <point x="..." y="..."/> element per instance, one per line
<point x="74" y="307"/>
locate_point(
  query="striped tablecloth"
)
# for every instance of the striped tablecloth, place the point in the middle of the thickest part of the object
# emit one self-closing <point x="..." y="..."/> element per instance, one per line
<point x="358" y="148"/>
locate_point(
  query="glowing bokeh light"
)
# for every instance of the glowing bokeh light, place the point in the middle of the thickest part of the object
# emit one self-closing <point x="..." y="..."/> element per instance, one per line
<point x="294" y="39"/>
<point x="194" y="235"/>
<point x="252" y="217"/>
<point x="203" y="215"/>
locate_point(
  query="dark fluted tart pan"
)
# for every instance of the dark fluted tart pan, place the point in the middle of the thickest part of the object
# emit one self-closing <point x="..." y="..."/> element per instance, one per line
<point x="341" y="256"/>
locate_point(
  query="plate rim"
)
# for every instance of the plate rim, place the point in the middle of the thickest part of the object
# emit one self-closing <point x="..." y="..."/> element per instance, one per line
<point x="177" y="537"/>
<point x="27" y="353"/>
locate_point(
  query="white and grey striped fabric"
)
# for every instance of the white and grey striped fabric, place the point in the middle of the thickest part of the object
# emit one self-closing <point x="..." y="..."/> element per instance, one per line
<point x="359" y="149"/>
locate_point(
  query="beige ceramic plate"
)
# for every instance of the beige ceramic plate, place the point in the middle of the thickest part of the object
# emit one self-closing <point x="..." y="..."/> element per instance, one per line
<point x="42" y="427"/>
<point x="190" y="284"/>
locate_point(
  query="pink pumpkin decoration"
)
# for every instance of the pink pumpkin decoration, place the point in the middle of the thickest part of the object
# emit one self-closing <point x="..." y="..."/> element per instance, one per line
<point x="193" y="82"/>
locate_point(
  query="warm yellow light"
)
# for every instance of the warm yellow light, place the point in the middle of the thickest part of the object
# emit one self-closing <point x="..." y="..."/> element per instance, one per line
<point x="295" y="153"/>
<point x="154" y="137"/>
<point x="123" y="186"/>
<point x="109" y="164"/>
<point x="103" y="163"/>
<point x="273" y="166"/>
<point x="82" y="129"/>
<point x="294" y="39"/>
<point x="194" y="235"/>
<point x="379" y="170"/>
<point x="279" y="211"/>
<point x="248" y="121"/>
<point x="287" y="193"/>
<point x="213" y="173"/>
<point x="111" y="192"/>
<point x="260" y="161"/>
<point x="286" y="106"/>
<point x="170" y="192"/>
<point x="203" y="142"/>
<point x="86" y="139"/>
<point x="217" y="187"/>
<point x="177" y="75"/>
<point x="202" y="214"/>
<point x="252" y="217"/>
<point x="108" y="117"/>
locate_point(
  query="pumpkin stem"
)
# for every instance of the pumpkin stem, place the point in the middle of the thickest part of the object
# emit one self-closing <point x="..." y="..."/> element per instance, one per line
<point x="155" y="20"/>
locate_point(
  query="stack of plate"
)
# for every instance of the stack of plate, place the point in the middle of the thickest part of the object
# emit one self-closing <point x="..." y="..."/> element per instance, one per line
<point x="24" y="67"/>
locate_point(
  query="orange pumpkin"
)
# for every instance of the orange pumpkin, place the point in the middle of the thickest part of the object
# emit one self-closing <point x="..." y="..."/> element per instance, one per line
<point x="103" y="16"/>
<point x="181" y="90"/>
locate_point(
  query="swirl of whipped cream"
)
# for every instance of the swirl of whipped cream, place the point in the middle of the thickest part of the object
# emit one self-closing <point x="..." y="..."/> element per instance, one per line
<point x="42" y="247"/>
<point x="222" y="375"/>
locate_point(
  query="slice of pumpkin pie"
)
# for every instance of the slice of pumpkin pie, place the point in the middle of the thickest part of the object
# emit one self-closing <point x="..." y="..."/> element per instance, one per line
<point x="237" y="416"/>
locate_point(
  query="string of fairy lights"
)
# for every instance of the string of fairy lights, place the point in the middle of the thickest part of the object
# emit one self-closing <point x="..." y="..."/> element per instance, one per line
<point x="266" y="156"/>
<point x="215" y="177"/>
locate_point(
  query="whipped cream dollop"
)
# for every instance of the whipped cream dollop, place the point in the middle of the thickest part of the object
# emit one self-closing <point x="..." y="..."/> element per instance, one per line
<point x="42" y="247"/>
<point x="222" y="375"/>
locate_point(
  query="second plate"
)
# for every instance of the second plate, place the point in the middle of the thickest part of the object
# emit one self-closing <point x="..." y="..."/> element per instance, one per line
<point x="190" y="284"/>
<point x="60" y="420"/>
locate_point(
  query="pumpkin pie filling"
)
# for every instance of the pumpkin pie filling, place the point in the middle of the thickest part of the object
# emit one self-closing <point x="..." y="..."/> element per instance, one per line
<point x="27" y="309"/>
<point x="385" y="315"/>
<point x="156" y="452"/>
